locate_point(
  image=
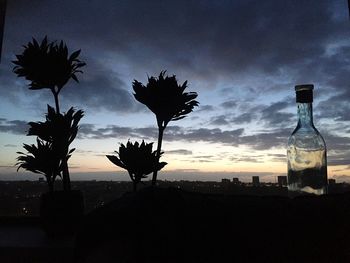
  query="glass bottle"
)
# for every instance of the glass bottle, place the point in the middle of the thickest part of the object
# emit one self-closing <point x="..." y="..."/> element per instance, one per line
<point x="306" y="150"/>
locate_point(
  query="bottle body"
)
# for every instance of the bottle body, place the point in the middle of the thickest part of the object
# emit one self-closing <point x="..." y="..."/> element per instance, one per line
<point x="306" y="155"/>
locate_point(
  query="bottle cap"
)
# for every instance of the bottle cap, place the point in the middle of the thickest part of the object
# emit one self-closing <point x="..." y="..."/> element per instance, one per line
<point x="304" y="93"/>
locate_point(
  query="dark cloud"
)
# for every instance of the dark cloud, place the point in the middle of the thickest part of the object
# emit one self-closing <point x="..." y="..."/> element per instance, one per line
<point x="266" y="140"/>
<point x="179" y="152"/>
<point x="10" y="145"/>
<point x="338" y="161"/>
<point x="269" y="37"/>
<point x="14" y="126"/>
<point x="10" y="87"/>
<point x="272" y="114"/>
<point x="202" y="161"/>
<point x="172" y="133"/>
<point x="338" y="146"/>
<point x="101" y="89"/>
<point x="336" y="108"/>
<point x="90" y="152"/>
<point x="238" y="35"/>
<point x="230" y="137"/>
<point x="246" y="117"/>
<point x="219" y="120"/>
<point x="90" y="131"/>
<point x="229" y="104"/>
<point x="249" y="160"/>
<point x="336" y="142"/>
<point x="259" y="141"/>
<point x="333" y="75"/>
<point x="277" y="157"/>
<point x="206" y="108"/>
<point x="203" y="156"/>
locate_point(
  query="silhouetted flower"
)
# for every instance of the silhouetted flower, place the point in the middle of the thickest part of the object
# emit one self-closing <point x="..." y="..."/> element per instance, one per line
<point x="42" y="159"/>
<point x="138" y="159"/>
<point x="60" y="128"/>
<point x="47" y="65"/>
<point x="167" y="100"/>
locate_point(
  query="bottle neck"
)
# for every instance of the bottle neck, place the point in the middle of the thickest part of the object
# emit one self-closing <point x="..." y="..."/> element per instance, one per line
<point x="305" y="114"/>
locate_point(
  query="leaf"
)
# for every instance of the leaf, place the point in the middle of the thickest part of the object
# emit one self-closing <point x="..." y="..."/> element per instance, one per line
<point x="71" y="151"/>
<point x="74" y="55"/>
<point x="44" y="43"/>
<point x="35" y="43"/>
<point x="161" y="165"/>
<point x="178" y="118"/>
<point x="116" y="161"/>
<point x="75" y="77"/>
<point x="50" y="111"/>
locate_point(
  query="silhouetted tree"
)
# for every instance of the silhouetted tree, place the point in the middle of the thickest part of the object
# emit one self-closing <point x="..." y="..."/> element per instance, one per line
<point x="167" y="100"/>
<point x="138" y="159"/>
<point x="48" y="65"/>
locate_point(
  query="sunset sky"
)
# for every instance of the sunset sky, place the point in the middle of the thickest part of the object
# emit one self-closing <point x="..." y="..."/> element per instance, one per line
<point x="242" y="57"/>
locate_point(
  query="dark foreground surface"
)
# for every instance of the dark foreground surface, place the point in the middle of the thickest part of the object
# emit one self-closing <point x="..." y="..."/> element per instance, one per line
<point x="22" y="240"/>
<point x="171" y="225"/>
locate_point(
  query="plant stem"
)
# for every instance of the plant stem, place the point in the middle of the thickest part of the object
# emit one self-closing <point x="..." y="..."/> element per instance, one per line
<point x="65" y="173"/>
<point x="159" y="148"/>
<point x="55" y="94"/>
<point x="65" y="177"/>
<point x="50" y="183"/>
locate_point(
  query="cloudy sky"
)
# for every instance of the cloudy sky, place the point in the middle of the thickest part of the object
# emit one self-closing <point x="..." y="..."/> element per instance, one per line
<point x="242" y="57"/>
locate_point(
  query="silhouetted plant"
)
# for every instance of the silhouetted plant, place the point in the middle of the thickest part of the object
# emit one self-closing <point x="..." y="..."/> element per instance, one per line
<point x="59" y="130"/>
<point x="167" y="100"/>
<point x="48" y="65"/>
<point x="41" y="159"/>
<point x="138" y="159"/>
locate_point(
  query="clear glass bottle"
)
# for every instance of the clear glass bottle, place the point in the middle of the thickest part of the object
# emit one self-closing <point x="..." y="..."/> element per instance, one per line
<point x="306" y="150"/>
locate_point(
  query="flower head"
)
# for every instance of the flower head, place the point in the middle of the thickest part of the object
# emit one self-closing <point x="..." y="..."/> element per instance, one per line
<point x="58" y="128"/>
<point x="47" y="65"/>
<point x="165" y="98"/>
<point x="41" y="159"/>
<point x="138" y="159"/>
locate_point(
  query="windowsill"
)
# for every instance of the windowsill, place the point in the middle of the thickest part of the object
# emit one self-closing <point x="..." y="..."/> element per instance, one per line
<point x="23" y="240"/>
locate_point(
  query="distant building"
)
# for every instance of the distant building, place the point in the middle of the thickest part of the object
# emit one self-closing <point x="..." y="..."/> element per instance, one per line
<point x="255" y="180"/>
<point x="282" y="180"/>
<point x="225" y="181"/>
<point x="41" y="180"/>
<point x="331" y="181"/>
<point x="235" y="180"/>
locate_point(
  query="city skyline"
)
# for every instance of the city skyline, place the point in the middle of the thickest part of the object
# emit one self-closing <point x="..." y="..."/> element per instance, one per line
<point x="242" y="58"/>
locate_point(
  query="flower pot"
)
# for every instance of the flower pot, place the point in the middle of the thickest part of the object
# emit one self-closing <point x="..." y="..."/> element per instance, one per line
<point x="61" y="212"/>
